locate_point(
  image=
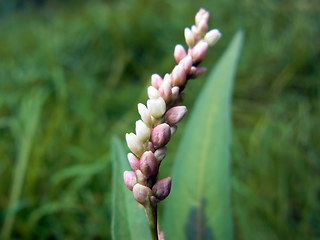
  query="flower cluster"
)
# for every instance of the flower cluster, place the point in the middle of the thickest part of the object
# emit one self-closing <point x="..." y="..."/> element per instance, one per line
<point x="163" y="111"/>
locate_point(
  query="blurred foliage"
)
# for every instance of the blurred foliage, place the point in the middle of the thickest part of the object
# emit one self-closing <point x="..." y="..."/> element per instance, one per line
<point x="91" y="61"/>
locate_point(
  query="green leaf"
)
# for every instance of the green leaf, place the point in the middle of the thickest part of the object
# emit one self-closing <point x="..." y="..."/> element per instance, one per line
<point x="129" y="221"/>
<point x="199" y="204"/>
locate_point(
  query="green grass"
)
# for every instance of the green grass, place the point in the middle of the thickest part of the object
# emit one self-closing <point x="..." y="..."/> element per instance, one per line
<point x="92" y="60"/>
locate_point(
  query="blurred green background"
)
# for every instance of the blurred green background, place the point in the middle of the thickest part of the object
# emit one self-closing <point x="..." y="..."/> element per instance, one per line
<point x="72" y="72"/>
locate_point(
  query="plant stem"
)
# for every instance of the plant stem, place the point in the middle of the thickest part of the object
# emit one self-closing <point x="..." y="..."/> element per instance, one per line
<point x="151" y="211"/>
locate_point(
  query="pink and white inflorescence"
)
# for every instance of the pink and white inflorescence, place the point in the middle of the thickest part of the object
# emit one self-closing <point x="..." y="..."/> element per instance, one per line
<point x="163" y="111"/>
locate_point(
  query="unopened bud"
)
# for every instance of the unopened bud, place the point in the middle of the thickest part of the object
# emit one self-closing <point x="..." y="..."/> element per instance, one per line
<point x="129" y="178"/>
<point x="187" y="63"/>
<point x="201" y="15"/>
<point x="190" y="40"/>
<point x="148" y="164"/>
<point x="203" y="26"/>
<point x="175" y="92"/>
<point x="160" y="153"/>
<point x="165" y="88"/>
<point x="178" y="75"/>
<point x="161" y="235"/>
<point x="142" y="179"/>
<point x="142" y="131"/>
<point x="179" y="53"/>
<point x="151" y="147"/>
<point x="152" y="92"/>
<point x="197" y="72"/>
<point x="162" y="188"/>
<point x="145" y="114"/>
<point x="196" y="32"/>
<point x="212" y="37"/>
<point x="141" y="194"/>
<point x="175" y="114"/>
<point x="173" y="129"/>
<point x="160" y="135"/>
<point x="199" y="51"/>
<point x="156" y="81"/>
<point x="133" y="161"/>
<point x="156" y="107"/>
<point x="134" y="144"/>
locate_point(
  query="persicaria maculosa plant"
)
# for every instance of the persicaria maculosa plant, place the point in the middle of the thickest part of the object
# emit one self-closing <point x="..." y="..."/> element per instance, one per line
<point x="159" y="120"/>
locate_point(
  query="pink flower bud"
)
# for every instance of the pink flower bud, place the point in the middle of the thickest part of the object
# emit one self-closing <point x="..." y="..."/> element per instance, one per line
<point x="156" y="107"/>
<point x="148" y="164"/>
<point x="145" y="114"/>
<point x="152" y="92"/>
<point x="165" y="88"/>
<point x="212" y="37"/>
<point x="202" y="14"/>
<point x="160" y="135"/>
<point x="162" y="188"/>
<point x="179" y="53"/>
<point x="133" y="161"/>
<point x="187" y="63"/>
<point x="199" y="51"/>
<point x="175" y="114"/>
<point x="203" y="26"/>
<point x="130" y="179"/>
<point x="175" y="92"/>
<point x="134" y="144"/>
<point x="160" y="153"/>
<point x="190" y="39"/>
<point x="142" y="179"/>
<point x="197" y="72"/>
<point x="142" y="131"/>
<point x="141" y="193"/>
<point x="161" y="235"/>
<point x="151" y="147"/>
<point x="156" y="81"/>
<point x="178" y="75"/>
<point x="196" y="32"/>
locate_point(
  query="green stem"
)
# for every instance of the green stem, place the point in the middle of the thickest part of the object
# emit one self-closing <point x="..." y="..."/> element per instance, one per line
<point x="151" y="211"/>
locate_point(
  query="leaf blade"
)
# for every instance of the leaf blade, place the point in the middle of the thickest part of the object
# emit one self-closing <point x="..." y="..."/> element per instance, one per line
<point x="200" y="198"/>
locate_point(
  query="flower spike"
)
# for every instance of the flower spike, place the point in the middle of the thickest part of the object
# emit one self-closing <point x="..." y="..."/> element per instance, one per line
<point x="160" y="116"/>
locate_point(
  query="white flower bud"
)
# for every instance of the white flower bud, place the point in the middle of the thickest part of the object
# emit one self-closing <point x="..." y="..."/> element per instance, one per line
<point x="190" y="40"/>
<point x="145" y="114"/>
<point x="152" y="92"/>
<point x="156" y="107"/>
<point x="212" y="37"/>
<point x="142" y="131"/>
<point x="134" y="144"/>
